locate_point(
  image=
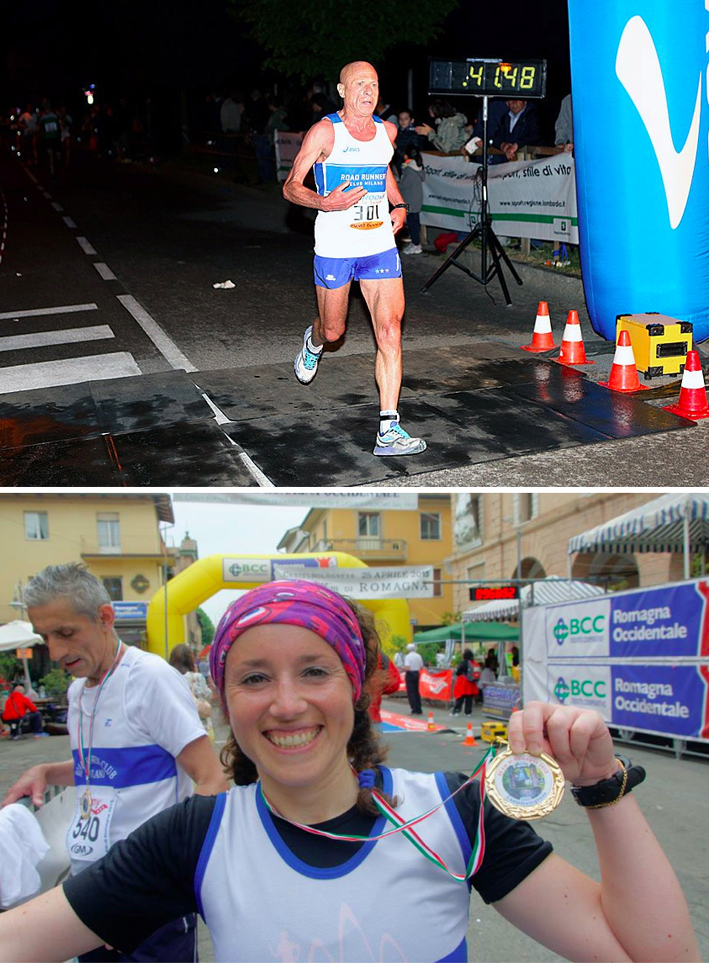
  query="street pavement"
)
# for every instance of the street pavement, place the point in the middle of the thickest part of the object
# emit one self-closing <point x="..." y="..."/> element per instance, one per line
<point x="673" y="799"/>
<point x="121" y="363"/>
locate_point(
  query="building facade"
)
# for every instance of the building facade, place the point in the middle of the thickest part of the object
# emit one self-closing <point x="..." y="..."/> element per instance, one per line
<point x="387" y="538"/>
<point x="117" y="537"/>
<point x="505" y="535"/>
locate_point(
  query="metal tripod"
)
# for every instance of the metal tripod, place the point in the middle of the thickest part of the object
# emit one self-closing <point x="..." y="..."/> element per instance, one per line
<point x="489" y="242"/>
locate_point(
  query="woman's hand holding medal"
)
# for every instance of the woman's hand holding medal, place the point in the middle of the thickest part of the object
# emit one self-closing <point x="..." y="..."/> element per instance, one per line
<point x="578" y="739"/>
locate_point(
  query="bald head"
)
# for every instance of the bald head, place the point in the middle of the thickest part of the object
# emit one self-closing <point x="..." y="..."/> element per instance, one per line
<point x="359" y="88"/>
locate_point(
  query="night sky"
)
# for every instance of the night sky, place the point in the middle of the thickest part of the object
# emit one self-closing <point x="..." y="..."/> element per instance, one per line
<point x="138" y="48"/>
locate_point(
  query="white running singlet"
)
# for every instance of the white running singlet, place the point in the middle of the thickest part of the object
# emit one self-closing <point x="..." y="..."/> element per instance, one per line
<point x="144" y="718"/>
<point x="386" y="903"/>
<point x="365" y="228"/>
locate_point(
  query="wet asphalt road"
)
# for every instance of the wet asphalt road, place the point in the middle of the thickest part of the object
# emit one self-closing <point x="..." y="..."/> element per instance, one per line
<point x="165" y="235"/>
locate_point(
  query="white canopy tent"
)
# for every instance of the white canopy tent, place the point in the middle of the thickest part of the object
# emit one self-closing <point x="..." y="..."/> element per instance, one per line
<point x="546" y="591"/>
<point x="19" y="635"/>
<point x="671" y="523"/>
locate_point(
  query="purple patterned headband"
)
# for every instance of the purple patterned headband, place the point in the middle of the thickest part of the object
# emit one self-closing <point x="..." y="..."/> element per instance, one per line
<point x="296" y="602"/>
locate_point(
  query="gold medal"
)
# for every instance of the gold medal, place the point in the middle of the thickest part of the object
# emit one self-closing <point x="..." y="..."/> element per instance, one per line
<point x="524" y="786"/>
<point x="85" y="804"/>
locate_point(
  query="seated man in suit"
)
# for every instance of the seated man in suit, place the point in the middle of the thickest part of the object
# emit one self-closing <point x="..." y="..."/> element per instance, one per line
<point x="517" y="128"/>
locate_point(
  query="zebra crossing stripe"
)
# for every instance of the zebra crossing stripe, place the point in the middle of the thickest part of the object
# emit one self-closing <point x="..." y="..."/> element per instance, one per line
<point x="41" y="339"/>
<point x="49" y="374"/>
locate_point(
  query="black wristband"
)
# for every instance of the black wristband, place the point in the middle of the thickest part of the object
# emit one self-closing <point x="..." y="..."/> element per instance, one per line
<point x="609" y="791"/>
<point x="394" y="207"/>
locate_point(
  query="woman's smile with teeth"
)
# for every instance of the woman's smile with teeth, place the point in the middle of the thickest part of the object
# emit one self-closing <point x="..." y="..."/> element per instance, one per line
<point x="292" y="740"/>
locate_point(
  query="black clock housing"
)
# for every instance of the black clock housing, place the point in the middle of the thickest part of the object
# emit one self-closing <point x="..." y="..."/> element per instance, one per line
<point x="489" y="77"/>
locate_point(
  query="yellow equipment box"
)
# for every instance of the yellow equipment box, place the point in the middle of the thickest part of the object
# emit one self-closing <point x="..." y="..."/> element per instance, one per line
<point x="660" y="344"/>
<point x="489" y="731"/>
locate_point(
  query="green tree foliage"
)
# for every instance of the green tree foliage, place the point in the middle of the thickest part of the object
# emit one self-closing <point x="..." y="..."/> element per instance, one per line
<point x="9" y="665"/>
<point x="56" y="682"/>
<point x="316" y="38"/>
<point x="207" y="627"/>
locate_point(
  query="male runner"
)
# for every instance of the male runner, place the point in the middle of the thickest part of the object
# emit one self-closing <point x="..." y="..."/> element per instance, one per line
<point x="354" y="239"/>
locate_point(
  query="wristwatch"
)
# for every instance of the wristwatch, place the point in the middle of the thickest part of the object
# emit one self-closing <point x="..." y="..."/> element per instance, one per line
<point x="394" y="207"/>
<point x="607" y="792"/>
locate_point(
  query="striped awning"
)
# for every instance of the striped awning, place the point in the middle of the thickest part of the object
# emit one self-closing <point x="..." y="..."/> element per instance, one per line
<point x="547" y="591"/>
<point x="670" y="523"/>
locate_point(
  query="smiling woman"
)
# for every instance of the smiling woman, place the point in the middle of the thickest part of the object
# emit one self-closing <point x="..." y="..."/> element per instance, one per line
<point x="296" y="862"/>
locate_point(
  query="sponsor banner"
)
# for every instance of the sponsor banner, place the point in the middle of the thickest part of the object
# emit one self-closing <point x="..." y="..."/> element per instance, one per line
<point x="526" y="198"/>
<point x="130" y="611"/>
<point x="287" y="144"/>
<point x="413" y="581"/>
<point x="662" y="622"/>
<point x="500" y="701"/>
<point x="289" y="567"/>
<point x="578" y="629"/>
<point x="670" y="700"/>
<point x="390" y="501"/>
<point x="403" y="723"/>
<point x="436" y="685"/>
<point x="246" y="569"/>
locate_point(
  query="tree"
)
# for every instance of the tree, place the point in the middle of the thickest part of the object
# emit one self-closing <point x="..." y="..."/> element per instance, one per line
<point x="316" y="38"/>
<point x="207" y="627"/>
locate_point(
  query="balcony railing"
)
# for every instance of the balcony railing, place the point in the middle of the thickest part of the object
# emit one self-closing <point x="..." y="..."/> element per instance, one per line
<point x="366" y="547"/>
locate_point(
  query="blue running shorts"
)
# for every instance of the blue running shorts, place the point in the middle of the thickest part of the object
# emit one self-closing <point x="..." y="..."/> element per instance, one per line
<point x="335" y="272"/>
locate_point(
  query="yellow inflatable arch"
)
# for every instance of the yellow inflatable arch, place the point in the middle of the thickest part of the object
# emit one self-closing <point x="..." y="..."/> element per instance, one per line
<point x="207" y="576"/>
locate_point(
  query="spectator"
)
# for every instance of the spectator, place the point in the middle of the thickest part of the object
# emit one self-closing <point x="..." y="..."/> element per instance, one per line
<point x="411" y="186"/>
<point x="450" y="132"/>
<point x="406" y="135"/>
<point x="413" y="664"/>
<point x="495" y="111"/>
<point x="384" y="110"/>
<point x="564" y="127"/>
<point x="49" y="132"/>
<point x="230" y="114"/>
<point x="517" y="128"/>
<point x="182" y="659"/>
<point x="466" y="675"/>
<point x="20" y="712"/>
<point x="27" y="123"/>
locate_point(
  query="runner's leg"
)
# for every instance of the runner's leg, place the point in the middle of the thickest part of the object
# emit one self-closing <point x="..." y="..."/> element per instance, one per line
<point x="385" y="300"/>
<point x="332" y="316"/>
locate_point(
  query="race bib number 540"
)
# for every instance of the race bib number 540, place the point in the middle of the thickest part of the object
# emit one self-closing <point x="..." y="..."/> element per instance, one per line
<point x="88" y="838"/>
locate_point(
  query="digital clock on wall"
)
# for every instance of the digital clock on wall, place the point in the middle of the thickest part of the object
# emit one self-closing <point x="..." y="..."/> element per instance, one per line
<point x="523" y="79"/>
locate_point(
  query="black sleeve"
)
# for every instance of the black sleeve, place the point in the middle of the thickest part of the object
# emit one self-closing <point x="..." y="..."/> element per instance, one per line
<point x="512" y="848"/>
<point x="146" y="880"/>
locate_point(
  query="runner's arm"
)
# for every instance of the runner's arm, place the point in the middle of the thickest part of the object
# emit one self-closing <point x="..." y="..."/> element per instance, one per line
<point x="317" y="144"/>
<point x="201" y="764"/>
<point x="34" y="782"/>
<point x="46" y="928"/>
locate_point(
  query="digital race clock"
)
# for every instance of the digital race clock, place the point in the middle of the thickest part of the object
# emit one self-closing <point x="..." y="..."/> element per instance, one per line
<point x="523" y="79"/>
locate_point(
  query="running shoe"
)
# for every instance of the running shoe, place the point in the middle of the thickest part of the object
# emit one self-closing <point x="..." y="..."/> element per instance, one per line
<point x="396" y="441"/>
<point x="306" y="363"/>
<point x="412" y="248"/>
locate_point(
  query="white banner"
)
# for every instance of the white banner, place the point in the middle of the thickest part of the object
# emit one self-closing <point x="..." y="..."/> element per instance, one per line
<point x="410" y="582"/>
<point x="371" y="500"/>
<point x="527" y="198"/>
<point x="287" y="144"/>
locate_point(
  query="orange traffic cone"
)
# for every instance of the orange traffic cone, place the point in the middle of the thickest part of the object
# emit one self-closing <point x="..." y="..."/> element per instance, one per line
<point x="469" y="737"/>
<point x="431" y="724"/>
<point x="572" y="349"/>
<point x="693" y="394"/>
<point x="542" y="338"/>
<point x="624" y="373"/>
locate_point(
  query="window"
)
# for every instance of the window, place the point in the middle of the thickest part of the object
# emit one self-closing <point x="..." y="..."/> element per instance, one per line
<point x="430" y="526"/>
<point x="368" y="525"/>
<point x="36" y="526"/>
<point x="114" y="587"/>
<point x="437" y="586"/>
<point x="109" y="532"/>
<point x="468" y="523"/>
<point x="526" y="506"/>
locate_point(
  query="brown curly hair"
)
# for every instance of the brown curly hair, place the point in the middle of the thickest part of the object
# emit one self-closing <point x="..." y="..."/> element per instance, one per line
<point x="364" y="748"/>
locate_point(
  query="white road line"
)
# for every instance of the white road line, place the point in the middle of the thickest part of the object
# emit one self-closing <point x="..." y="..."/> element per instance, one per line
<point x="104" y="270"/>
<point x="36" y="312"/>
<point x="41" y="339"/>
<point x="46" y="193"/>
<point x="47" y="374"/>
<point x="85" y="246"/>
<point x="165" y="345"/>
<point x="69" y="222"/>
<point x="253" y="469"/>
<point x="57" y="206"/>
<point x="219" y="415"/>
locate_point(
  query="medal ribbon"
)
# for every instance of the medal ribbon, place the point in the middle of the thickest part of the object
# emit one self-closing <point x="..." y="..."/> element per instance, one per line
<point x="86" y="763"/>
<point x="405" y="827"/>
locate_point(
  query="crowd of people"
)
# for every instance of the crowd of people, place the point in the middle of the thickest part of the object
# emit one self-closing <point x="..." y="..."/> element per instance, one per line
<point x="292" y="844"/>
